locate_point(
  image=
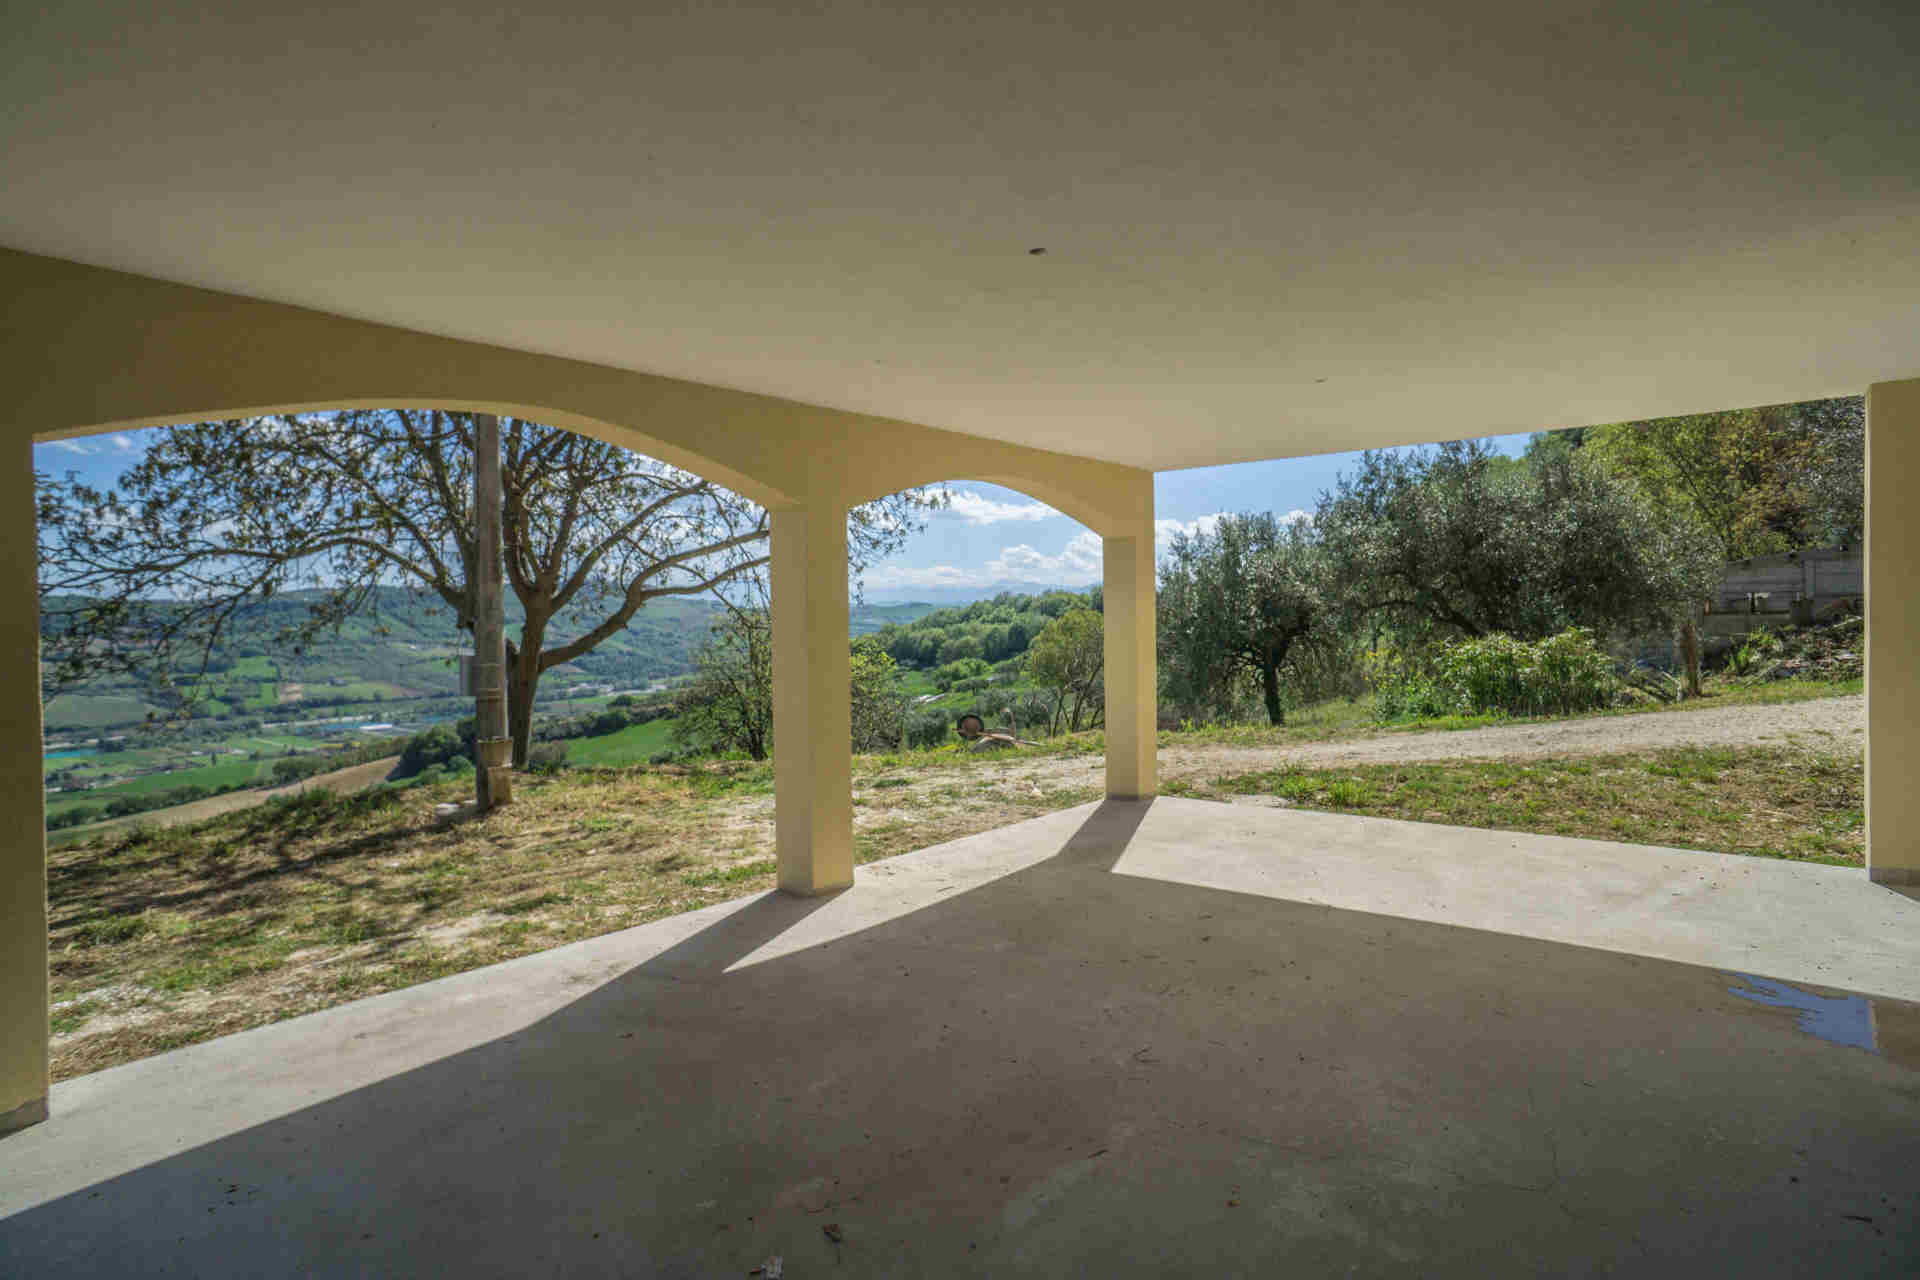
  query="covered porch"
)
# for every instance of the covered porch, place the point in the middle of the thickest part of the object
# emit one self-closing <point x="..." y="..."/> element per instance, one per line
<point x="823" y="254"/>
<point x="1126" y="1039"/>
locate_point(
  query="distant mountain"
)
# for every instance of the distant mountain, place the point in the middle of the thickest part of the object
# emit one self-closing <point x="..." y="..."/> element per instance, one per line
<point x="869" y="617"/>
<point x="406" y="647"/>
<point x="945" y="596"/>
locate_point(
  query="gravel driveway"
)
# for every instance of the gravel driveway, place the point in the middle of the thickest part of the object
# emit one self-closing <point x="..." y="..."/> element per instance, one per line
<point x="1831" y="724"/>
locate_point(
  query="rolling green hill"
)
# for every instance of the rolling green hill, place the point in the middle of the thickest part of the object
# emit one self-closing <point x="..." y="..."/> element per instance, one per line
<point x="402" y="650"/>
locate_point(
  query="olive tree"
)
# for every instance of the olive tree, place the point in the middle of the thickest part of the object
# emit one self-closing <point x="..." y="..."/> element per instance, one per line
<point x="1240" y="600"/>
<point x="728" y="704"/>
<point x="1463" y="541"/>
<point x="1067" y="660"/>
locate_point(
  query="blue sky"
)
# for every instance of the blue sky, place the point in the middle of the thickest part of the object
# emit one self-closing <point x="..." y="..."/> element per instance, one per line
<point x="992" y="538"/>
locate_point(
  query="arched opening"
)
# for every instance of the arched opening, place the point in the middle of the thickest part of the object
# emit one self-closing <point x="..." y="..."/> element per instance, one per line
<point x="111" y="352"/>
<point x="323" y="899"/>
<point x="991" y="628"/>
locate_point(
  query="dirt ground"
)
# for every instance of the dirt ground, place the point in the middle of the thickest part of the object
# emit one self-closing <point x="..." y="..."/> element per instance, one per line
<point x="1829" y="724"/>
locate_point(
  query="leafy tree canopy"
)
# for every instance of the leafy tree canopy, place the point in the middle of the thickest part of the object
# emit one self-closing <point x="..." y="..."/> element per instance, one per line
<point x="1068" y="661"/>
<point x="1456" y="538"/>
<point x="1240" y="599"/>
<point x="218" y="514"/>
<point x="1762" y="481"/>
<point x="728" y="705"/>
<point x="989" y="630"/>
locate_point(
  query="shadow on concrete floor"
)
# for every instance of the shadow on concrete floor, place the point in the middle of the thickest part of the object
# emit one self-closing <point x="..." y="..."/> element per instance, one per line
<point x="1065" y="1071"/>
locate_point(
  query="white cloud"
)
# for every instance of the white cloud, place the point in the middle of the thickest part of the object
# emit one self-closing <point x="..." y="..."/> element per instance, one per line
<point x="977" y="508"/>
<point x="1077" y="564"/>
<point x="73" y="446"/>
<point x="1163" y="530"/>
<point x="124" y="442"/>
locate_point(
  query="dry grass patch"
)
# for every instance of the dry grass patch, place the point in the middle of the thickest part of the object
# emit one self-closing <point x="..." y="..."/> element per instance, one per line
<point x="162" y="938"/>
<point x="1768" y="802"/>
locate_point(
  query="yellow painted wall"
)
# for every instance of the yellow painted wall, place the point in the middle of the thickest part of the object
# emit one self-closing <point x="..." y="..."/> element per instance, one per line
<point x="88" y="350"/>
<point x="23" y="860"/>
<point x="92" y="350"/>
<point x="1893" y="633"/>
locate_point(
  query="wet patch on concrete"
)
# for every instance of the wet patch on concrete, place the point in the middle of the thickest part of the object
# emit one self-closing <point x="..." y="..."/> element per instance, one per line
<point x="1842" y="1020"/>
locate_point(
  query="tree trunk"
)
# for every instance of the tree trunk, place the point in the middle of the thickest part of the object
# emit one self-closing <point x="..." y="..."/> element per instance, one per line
<point x="1270" y="686"/>
<point x="523" y="678"/>
<point x="520" y="690"/>
<point x="1690" y="651"/>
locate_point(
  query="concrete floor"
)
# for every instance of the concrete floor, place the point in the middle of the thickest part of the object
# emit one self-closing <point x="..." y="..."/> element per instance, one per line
<point x="1127" y="1039"/>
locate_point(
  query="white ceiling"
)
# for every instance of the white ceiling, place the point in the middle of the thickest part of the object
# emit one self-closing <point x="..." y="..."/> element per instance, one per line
<point x="1270" y="229"/>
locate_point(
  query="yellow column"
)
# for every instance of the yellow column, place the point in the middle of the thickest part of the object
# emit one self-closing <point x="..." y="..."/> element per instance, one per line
<point x="1893" y="633"/>
<point x="1131" y="672"/>
<point x="812" y="715"/>
<point x="23" y="844"/>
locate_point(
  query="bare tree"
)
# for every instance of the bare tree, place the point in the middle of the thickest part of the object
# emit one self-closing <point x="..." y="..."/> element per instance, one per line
<point x="218" y="516"/>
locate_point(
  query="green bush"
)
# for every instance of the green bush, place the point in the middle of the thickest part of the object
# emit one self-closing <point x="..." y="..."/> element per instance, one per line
<point x="78" y="816"/>
<point x="927" y="729"/>
<point x="547" y="757"/>
<point x="1559" y="675"/>
<point x="294" y="768"/>
<point x="1402" y="690"/>
<point x="1555" y="676"/>
<point x="435" y="746"/>
<point x="946" y="677"/>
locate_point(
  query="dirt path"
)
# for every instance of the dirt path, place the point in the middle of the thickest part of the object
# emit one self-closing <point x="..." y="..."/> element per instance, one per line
<point x="1833" y="724"/>
<point x="352" y="778"/>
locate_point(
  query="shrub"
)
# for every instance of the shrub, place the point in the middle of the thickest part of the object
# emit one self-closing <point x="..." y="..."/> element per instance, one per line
<point x="424" y="750"/>
<point x="293" y="768"/>
<point x="547" y="757"/>
<point x="953" y="673"/>
<point x="1402" y="690"/>
<point x="1559" y="675"/>
<point x="76" y="817"/>
<point x="927" y="729"/>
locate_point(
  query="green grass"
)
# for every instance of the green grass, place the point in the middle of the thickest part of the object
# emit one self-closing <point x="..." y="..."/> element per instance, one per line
<point x="1764" y="801"/>
<point x="227" y="773"/>
<point x="70" y="711"/>
<point x="635" y="744"/>
<point x="1340" y="719"/>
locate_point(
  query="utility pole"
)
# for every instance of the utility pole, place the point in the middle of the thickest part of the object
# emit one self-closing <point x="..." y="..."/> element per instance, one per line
<point x="493" y="776"/>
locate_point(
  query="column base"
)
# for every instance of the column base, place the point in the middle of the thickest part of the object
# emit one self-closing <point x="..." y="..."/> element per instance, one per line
<point x="822" y="891"/>
<point x="23" y="1116"/>
<point x="1894" y="875"/>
